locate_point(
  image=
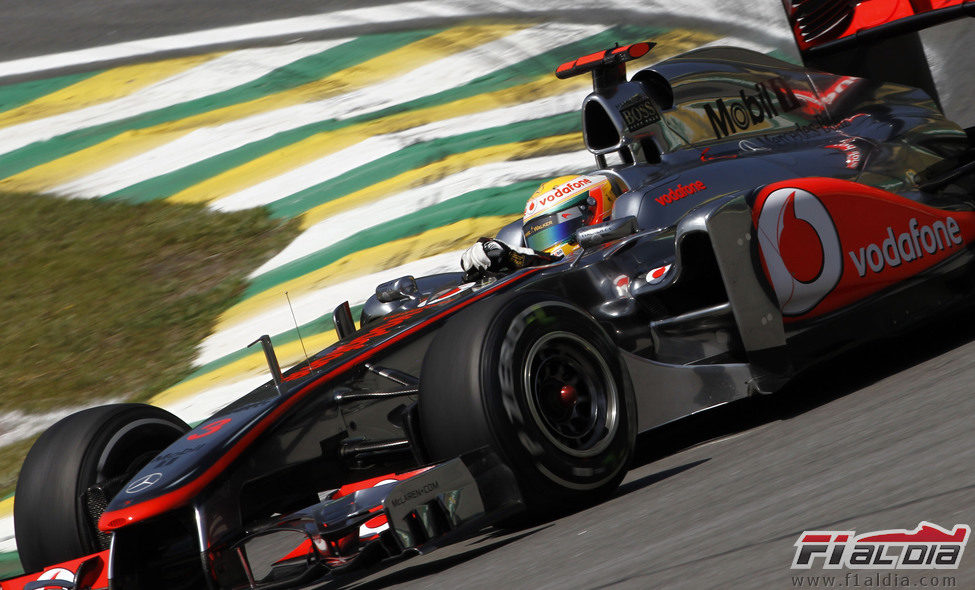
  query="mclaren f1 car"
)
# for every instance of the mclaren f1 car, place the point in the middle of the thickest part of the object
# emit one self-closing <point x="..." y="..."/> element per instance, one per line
<point x="768" y="215"/>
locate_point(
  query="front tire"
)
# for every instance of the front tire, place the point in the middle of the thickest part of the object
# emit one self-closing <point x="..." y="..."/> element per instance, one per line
<point x="536" y="379"/>
<point x="103" y="446"/>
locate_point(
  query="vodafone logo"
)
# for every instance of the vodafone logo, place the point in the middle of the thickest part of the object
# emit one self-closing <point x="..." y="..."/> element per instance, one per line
<point x="58" y="573"/>
<point x="908" y="246"/>
<point x="680" y="192"/>
<point x="656" y="275"/>
<point x="801" y="249"/>
<point x="558" y="195"/>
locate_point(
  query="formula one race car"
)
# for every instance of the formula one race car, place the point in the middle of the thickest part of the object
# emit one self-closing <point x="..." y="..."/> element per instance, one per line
<point x="768" y="215"/>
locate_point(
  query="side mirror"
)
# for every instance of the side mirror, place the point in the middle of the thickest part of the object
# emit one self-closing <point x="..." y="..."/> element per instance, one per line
<point x="401" y="288"/>
<point x="606" y="231"/>
<point x="342" y="318"/>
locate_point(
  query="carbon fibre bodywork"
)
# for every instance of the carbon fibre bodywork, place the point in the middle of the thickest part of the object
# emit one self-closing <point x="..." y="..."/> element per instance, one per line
<point x="779" y="214"/>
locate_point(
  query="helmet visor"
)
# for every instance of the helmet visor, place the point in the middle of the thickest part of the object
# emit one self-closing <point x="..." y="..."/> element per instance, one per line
<point x="547" y="231"/>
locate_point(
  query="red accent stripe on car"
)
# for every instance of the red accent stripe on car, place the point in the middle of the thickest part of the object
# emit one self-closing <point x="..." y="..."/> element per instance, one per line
<point x="116" y="519"/>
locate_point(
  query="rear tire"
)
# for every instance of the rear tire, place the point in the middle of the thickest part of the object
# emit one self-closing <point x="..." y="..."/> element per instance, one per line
<point x="538" y="381"/>
<point x="102" y="446"/>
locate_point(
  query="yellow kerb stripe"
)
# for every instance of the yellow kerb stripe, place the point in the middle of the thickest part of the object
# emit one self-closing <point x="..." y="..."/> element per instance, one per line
<point x="104" y="87"/>
<point x="440" y="169"/>
<point x="134" y="142"/>
<point x="454" y="236"/>
<point x="319" y="146"/>
<point x="429" y="243"/>
<point x="254" y="364"/>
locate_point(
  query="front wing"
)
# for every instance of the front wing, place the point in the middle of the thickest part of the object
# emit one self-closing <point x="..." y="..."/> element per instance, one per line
<point x="355" y="526"/>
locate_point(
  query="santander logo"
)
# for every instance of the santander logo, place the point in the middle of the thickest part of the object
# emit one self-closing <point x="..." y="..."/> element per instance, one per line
<point x="794" y="226"/>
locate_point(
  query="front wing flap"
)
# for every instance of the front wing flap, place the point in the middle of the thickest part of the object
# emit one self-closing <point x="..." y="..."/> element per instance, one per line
<point x="361" y="524"/>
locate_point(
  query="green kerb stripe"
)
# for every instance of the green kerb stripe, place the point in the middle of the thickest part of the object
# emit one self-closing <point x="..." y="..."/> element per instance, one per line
<point x="520" y="73"/>
<point x="10" y="565"/>
<point x="502" y="200"/>
<point x="295" y="74"/>
<point x="419" y="155"/>
<point x="16" y="95"/>
<point x="318" y="325"/>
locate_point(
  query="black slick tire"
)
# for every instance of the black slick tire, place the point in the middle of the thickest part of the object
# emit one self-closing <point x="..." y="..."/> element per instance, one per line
<point x="101" y="446"/>
<point x="538" y="381"/>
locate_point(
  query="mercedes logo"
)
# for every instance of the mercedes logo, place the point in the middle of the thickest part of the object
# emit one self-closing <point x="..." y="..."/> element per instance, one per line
<point x="142" y="483"/>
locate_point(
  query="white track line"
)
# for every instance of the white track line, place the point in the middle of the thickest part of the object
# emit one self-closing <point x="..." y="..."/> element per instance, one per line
<point x="766" y="18"/>
<point x="217" y="75"/>
<point x="429" y="79"/>
<point x="373" y="148"/>
<point x="17" y="425"/>
<point x="347" y="223"/>
<point x="318" y="23"/>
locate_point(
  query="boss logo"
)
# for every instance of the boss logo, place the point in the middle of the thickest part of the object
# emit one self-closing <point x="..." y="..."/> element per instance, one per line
<point x="639" y="112"/>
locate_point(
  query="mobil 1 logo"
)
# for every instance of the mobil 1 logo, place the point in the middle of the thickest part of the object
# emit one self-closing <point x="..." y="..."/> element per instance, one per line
<point x="770" y="99"/>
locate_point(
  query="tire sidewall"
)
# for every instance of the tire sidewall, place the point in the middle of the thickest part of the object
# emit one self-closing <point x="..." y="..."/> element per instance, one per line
<point x="547" y="473"/>
<point x="51" y="520"/>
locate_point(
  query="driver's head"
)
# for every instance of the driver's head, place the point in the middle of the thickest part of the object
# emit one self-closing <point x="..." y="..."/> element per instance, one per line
<point x="561" y="206"/>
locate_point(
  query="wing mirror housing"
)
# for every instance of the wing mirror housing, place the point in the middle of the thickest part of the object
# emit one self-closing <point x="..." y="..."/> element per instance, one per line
<point x="606" y="231"/>
<point x="342" y="318"/>
<point x="398" y="289"/>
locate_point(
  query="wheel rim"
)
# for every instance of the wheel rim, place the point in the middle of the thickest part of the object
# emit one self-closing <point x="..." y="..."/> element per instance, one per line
<point x="131" y="448"/>
<point x="571" y="394"/>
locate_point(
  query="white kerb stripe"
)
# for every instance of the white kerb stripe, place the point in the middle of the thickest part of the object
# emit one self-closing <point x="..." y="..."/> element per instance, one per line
<point x="309" y="305"/>
<point x="217" y="75"/>
<point x="766" y="19"/>
<point x="429" y="79"/>
<point x="374" y="148"/>
<point x="206" y="403"/>
<point x="347" y="223"/>
<point x="318" y="23"/>
<point x="8" y="543"/>
<point x="317" y="237"/>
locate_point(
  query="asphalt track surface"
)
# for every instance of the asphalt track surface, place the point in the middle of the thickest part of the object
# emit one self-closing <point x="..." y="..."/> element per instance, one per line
<point x="53" y="26"/>
<point x="879" y="438"/>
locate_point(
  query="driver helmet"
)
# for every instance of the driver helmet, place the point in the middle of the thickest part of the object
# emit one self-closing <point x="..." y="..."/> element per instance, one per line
<point x="563" y="205"/>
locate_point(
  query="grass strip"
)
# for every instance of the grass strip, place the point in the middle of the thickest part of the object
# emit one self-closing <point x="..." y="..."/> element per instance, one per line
<point x="108" y="300"/>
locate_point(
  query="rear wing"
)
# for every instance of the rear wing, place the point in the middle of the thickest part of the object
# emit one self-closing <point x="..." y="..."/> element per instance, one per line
<point x="871" y="38"/>
<point x="824" y="26"/>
